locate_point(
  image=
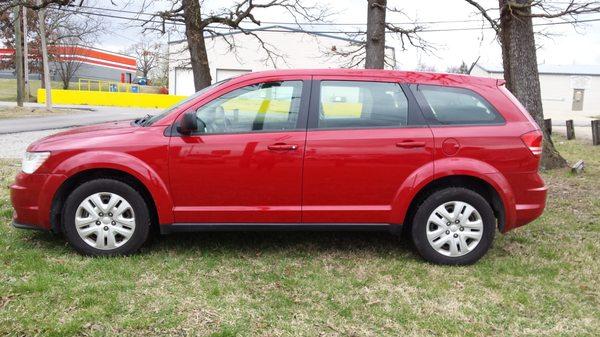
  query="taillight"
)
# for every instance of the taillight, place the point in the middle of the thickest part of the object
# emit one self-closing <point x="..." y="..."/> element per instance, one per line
<point x="533" y="141"/>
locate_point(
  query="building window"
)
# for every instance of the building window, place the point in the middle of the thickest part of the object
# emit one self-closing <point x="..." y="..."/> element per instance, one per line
<point x="578" y="95"/>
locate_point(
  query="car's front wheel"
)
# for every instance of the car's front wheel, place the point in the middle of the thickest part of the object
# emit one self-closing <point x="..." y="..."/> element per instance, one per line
<point x="105" y="217"/>
<point x="454" y="226"/>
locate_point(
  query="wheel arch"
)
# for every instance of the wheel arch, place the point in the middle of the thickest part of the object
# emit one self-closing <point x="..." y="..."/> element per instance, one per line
<point x="76" y="179"/>
<point x="477" y="184"/>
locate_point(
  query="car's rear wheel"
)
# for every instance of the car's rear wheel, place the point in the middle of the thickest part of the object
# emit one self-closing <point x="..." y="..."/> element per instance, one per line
<point x="105" y="217"/>
<point x="454" y="226"/>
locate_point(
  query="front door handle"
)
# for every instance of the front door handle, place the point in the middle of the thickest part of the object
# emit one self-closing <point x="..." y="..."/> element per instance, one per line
<point x="409" y="144"/>
<point x="282" y="147"/>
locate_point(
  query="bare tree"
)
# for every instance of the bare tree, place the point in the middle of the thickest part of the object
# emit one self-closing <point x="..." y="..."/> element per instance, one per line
<point x="463" y="68"/>
<point x="147" y="55"/>
<point x="62" y="25"/>
<point x="37" y="4"/>
<point x="425" y="67"/>
<point x="368" y="47"/>
<point x="514" y="28"/>
<point x="67" y="60"/>
<point x="242" y="16"/>
<point x="376" y="31"/>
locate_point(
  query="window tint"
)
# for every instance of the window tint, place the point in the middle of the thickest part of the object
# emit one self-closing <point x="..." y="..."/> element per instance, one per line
<point x="346" y="104"/>
<point x="459" y="106"/>
<point x="258" y="107"/>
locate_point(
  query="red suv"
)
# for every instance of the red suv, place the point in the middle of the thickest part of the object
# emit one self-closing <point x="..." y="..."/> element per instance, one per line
<point x="449" y="157"/>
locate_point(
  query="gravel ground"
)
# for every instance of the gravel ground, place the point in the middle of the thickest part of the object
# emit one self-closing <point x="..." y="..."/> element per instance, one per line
<point x="13" y="145"/>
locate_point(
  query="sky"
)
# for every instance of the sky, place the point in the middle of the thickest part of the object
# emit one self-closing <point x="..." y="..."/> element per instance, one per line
<point x="559" y="44"/>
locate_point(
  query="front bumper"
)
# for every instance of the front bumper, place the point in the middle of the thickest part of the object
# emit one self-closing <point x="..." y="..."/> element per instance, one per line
<point x="25" y="226"/>
<point x="31" y="196"/>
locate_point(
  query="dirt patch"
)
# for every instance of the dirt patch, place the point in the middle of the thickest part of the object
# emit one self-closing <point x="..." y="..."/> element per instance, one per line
<point x="22" y="112"/>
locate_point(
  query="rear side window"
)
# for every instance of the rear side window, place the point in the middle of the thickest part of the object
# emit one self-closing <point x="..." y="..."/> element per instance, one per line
<point x="459" y="106"/>
<point x="352" y="104"/>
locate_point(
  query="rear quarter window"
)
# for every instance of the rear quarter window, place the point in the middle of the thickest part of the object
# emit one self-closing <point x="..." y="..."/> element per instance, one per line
<point x="459" y="106"/>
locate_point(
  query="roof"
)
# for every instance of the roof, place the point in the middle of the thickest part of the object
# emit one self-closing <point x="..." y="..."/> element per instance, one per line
<point x="548" y="69"/>
<point x="283" y="29"/>
<point x="404" y="76"/>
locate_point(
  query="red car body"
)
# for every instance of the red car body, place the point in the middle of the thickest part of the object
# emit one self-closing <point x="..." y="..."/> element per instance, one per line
<point x="364" y="176"/>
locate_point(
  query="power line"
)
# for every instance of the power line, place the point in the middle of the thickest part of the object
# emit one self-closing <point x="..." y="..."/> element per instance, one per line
<point x="152" y="15"/>
<point x="295" y="23"/>
<point x="433" y="30"/>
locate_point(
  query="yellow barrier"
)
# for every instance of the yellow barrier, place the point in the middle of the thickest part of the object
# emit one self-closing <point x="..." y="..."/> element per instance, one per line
<point x="127" y="99"/>
<point x="122" y="99"/>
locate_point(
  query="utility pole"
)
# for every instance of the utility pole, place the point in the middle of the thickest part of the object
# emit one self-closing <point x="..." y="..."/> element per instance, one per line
<point x="18" y="56"/>
<point x="26" y="56"/>
<point x="41" y="14"/>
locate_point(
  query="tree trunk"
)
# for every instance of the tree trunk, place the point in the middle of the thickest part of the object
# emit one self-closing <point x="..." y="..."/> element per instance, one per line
<point x="47" y="83"/>
<point x="26" y="57"/>
<point x="375" y="47"/>
<point x="19" y="57"/>
<point x="196" y="45"/>
<point x="521" y="72"/>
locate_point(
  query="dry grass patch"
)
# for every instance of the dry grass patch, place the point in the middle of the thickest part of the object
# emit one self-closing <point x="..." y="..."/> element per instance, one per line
<point x="23" y="112"/>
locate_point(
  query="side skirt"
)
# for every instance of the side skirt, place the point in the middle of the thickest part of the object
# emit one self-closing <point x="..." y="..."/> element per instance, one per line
<point x="254" y="227"/>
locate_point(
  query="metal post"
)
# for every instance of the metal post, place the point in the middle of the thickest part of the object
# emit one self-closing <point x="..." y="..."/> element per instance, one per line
<point x="570" y="129"/>
<point x="596" y="132"/>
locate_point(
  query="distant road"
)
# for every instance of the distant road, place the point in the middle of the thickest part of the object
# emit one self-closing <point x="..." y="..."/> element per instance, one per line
<point x="89" y="115"/>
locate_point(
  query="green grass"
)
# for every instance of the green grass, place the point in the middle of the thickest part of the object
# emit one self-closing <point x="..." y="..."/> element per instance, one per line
<point x="8" y="89"/>
<point x="541" y="279"/>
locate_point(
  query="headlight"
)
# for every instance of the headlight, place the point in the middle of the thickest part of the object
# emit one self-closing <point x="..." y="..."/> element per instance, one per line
<point x="33" y="160"/>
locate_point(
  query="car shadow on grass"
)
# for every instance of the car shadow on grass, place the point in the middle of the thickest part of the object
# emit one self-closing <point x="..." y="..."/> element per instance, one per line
<point x="287" y="243"/>
<point x="233" y="243"/>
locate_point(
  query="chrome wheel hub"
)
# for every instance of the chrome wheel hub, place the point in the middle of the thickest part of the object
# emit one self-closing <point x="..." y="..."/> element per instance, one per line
<point x="105" y="220"/>
<point x="454" y="228"/>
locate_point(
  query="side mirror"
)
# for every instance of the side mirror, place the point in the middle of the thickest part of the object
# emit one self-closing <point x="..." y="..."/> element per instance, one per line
<point x="188" y="124"/>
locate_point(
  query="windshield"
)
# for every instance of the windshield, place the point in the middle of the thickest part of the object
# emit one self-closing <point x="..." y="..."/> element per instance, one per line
<point x="158" y="117"/>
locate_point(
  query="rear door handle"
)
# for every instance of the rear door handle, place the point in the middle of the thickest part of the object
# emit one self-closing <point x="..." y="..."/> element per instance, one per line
<point x="282" y="147"/>
<point x="409" y="144"/>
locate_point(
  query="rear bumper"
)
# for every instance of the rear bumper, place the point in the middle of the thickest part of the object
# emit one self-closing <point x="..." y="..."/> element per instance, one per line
<point x="530" y="196"/>
<point x="526" y="213"/>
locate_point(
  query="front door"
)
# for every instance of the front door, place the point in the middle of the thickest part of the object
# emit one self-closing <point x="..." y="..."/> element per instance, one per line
<point x="364" y="139"/>
<point x="245" y="164"/>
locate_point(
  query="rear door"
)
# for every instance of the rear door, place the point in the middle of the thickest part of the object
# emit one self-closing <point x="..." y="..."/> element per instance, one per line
<point x="365" y="138"/>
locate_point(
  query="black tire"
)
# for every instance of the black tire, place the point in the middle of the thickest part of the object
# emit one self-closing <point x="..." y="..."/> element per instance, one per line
<point x="140" y="209"/>
<point x="438" y="198"/>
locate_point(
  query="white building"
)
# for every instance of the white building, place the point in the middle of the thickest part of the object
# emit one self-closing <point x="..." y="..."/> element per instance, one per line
<point x="298" y="49"/>
<point x="568" y="91"/>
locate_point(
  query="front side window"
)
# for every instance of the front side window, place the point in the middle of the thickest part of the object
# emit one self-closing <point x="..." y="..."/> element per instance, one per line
<point x="459" y="106"/>
<point x="269" y="106"/>
<point x="163" y="114"/>
<point x="349" y="104"/>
